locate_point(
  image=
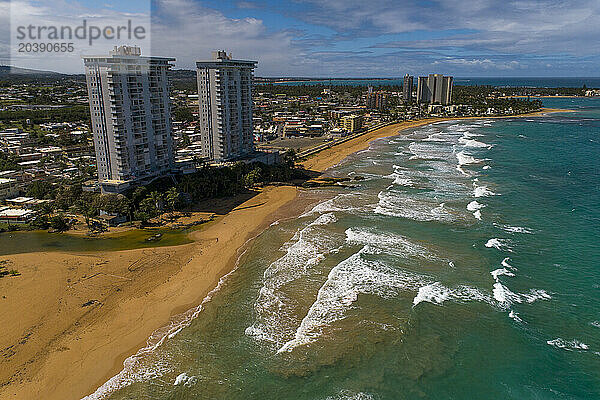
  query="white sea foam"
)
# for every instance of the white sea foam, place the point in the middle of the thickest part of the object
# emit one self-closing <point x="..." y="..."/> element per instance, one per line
<point x="474" y="206"/>
<point x="499" y="244"/>
<point x="433" y="293"/>
<point x="535" y="294"/>
<point x="568" y="345"/>
<point x="184" y="379"/>
<point x="437" y="137"/>
<point x="387" y="242"/>
<point x="436" y="293"/>
<point x="345" y="282"/>
<point x="505" y="264"/>
<point x="399" y="178"/>
<point x="506" y="297"/>
<point x="462" y="171"/>
<point x="486" y="167"/>
<point x="325" y="219"/>
<point x="303" y="252"/>
<point x="429" y="151"/>
<point x="503" y="295"/>
<point x="500" y="271"/>
<point x="347" y="395"/>
<point x="439" y="210"/>
<point x="516" y="229"/>
<point x="467" y="142"/>
<point x="466" y="159"/>
<point x="515" y="316"/>
<point x="482" y="191"/>
<point x="341" y="203"/>
<point x="397" y="205"/>
<point x="401" y="181"/>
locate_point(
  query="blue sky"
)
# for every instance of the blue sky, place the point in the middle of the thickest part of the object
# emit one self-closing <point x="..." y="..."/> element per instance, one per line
<point x="372" y="38"/>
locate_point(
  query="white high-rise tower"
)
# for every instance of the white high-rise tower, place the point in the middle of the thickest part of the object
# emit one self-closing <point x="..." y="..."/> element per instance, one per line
<point x="225" y="104"/>
<point x="131" y="116"/>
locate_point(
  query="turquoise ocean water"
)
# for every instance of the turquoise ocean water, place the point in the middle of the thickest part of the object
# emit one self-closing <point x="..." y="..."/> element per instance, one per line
<point x="466" y="265"/>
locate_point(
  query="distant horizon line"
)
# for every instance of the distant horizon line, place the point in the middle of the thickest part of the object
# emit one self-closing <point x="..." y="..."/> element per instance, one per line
<point x="402" y="77"/>
<point x="317" y="78"/>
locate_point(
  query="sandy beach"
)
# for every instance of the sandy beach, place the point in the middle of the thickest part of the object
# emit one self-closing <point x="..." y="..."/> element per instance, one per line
<point x="70" y="320"/>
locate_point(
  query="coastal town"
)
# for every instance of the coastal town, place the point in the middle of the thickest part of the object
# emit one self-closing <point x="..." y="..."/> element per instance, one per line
<point x="299" y="199"/>
<point x="64" y="163"/>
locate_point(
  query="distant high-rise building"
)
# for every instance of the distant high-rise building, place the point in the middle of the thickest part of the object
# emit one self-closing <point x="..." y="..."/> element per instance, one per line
<point x="407" y="87"/>
<point x="376" y="101"/>
<point x="225" y="101"/>
<point x="435" y="88"/>
<point x="131" y="116"/>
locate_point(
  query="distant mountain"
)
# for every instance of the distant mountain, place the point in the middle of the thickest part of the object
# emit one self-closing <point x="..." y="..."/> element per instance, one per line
<point x="8" y="70"/>
<point x="10" y="74"/>
<point x="183" y="79"/>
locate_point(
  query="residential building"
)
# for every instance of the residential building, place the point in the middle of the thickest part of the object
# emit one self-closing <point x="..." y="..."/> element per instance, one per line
<point x="435" y="88"/>
<point x="376" y="101"/>
<point x="8" y="188"/>
<point x="16" y="215"/>
<point x="351" y="123"/>
<point x="225" y="107"/>
<point x="407" y="87"/>
<point x="131" y="116"/>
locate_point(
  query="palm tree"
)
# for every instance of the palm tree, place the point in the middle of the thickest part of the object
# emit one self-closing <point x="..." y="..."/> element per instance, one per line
<point x="157" y="198"/>
<point x="172" y="198"/>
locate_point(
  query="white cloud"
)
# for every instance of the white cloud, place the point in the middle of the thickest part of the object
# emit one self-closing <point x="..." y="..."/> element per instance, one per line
<point x="59" y="13"/>
<point x="512" y="26"/>
<point x="190" y="32"/>
<point x="452" y="36"/>
<point x="478" y="63"/>
<point x="179" y="28"/>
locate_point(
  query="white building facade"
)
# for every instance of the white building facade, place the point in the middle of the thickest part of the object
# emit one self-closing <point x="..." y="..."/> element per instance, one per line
<point x="225" y="107"/>
<point x="131" y="116"/>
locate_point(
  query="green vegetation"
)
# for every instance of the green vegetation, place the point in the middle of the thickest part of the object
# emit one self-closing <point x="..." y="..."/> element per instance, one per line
<point x="9" y="162"/>
<point x="483" y="97"/>
<point x="59" y="223"/>
<point x="183" y="114"/>
<point x="165" y="195"/>
<point x="74" y="113"/>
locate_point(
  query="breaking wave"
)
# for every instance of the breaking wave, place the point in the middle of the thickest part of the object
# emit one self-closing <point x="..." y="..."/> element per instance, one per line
<point x="345" y="282"/>
<point x="568" y="345"/>
<point x="499" y="244"/>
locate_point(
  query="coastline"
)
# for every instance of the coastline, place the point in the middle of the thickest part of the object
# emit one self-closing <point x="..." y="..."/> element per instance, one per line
<point x="329" y="157"/>
<point x="87" y="345"/>
<point x="64" y="347"/>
